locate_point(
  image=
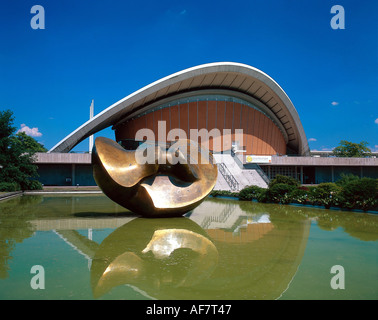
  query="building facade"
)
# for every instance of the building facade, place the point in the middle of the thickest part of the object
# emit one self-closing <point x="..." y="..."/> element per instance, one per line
<point x="248" y="118"/>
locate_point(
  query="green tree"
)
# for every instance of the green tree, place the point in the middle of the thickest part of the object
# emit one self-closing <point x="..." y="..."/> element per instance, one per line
<point x="353" y="150"/>
<point x="17" y="151"/>
<point x="29" y="144"/>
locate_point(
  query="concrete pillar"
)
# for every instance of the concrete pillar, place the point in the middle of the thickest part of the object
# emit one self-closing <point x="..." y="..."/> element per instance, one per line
<point x="73" y="174"/>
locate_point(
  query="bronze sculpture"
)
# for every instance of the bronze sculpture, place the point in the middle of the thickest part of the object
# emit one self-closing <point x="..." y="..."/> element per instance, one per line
<point x="166" y="187"/>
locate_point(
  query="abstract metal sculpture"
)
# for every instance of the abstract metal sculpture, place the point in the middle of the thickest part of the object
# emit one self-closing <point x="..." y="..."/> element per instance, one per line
<point x="170" y="185"/>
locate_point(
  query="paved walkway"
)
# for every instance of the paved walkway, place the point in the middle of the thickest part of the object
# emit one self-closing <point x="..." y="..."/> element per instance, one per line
<point x="53" y="189"/>
<point x="7" y="195"/>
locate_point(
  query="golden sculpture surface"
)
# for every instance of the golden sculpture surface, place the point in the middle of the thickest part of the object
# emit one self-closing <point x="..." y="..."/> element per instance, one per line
<point x="159" y="256"/>
<point x="167" y="185"/>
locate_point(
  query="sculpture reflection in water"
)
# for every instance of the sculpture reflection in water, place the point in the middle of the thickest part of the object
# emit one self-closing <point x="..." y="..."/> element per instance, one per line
<point x="171" y="183"/>
<point x="156" y="256"/>
<point x="258" y="248"/>
<point x="254" y="256"/>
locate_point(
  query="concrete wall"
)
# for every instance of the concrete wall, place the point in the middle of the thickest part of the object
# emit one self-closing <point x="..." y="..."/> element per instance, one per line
<point x="324" y="161"/>
<point x="68" y="158"/>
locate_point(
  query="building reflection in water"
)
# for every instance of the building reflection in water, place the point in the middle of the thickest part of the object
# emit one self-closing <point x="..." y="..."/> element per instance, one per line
<point x="223" y="250"/>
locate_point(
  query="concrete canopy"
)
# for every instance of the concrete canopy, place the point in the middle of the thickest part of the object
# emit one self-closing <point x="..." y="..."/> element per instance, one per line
<point x="232" y="77"/>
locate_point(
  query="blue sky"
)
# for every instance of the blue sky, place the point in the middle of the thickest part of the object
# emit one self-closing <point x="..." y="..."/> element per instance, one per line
<point x="105" y="50"/>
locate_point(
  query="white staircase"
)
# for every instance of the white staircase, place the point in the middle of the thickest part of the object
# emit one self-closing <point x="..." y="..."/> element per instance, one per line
<point x="244" y="177"/>
<point x="221" y="183"/>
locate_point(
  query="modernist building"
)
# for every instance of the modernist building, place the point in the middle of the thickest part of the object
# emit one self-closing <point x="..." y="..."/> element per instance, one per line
<point x="251" y="111"/>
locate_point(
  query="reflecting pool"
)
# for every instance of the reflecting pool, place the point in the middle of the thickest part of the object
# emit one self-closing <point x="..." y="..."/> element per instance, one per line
<point x="87" y="247"/>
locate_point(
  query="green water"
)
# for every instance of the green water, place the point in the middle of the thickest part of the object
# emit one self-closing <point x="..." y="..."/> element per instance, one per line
<point x="90" y="248"/>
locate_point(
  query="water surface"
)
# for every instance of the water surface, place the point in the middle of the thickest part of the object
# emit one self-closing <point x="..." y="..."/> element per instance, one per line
<point x="91" y="248"/>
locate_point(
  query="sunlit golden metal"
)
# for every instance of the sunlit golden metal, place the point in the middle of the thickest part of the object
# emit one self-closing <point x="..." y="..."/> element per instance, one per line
<point x="159" y="256"/>
<point x="158" y="189"/>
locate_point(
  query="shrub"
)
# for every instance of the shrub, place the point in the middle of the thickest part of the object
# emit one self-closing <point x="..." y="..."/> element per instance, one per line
<point x="249" y="193"/>
<point x="263" y="196"/>
<point x="360" y="194"/>
<point x="215" y="193"/>
<point x="223" y="193"/>
<point x="326" y="194"/>
<point x="345" y="179"/>
<point x="9" y="186"/>
<point x="284" y="180"/>
<point x="279" y="193"/>
<point x="299" y="195"/>
<point x="32" y="185"/>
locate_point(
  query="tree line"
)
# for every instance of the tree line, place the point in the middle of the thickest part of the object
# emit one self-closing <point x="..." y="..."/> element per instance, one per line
<point x="349" y="192"/>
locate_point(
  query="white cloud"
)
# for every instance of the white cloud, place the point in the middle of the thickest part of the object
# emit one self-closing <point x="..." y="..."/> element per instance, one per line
<point x="376" y="121"/>
<point x="334" y="103"/>
<point x="312" y="139"/>
<point x="33" y="132"/>
<point x="183" y="12"/>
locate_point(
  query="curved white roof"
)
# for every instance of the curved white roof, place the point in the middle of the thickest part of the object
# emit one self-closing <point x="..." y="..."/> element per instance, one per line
<point x="226" y="76"/>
